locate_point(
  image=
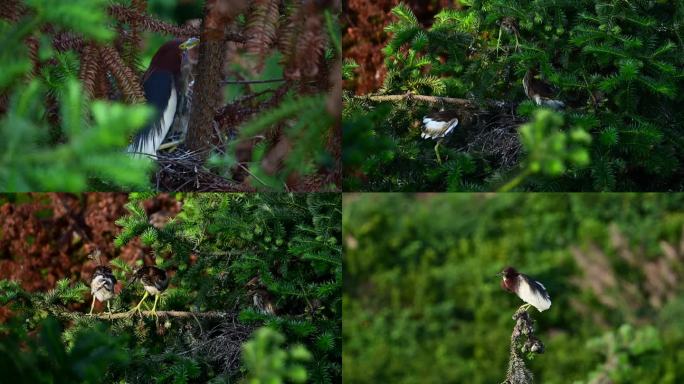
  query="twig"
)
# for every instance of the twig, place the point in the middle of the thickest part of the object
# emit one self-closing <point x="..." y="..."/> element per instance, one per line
<point x="514" y="182"/>
<point x="251" y="81"/>
<point x="251" y="174"/>
<point x="170" y="144"/>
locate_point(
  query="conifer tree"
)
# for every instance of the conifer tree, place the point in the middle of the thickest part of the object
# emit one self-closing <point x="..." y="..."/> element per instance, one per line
<point x="616" y="65"/>
<point x="226" y="254"/>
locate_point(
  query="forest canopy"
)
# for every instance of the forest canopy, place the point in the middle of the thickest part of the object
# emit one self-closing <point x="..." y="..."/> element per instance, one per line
<point x="617" y="66"/>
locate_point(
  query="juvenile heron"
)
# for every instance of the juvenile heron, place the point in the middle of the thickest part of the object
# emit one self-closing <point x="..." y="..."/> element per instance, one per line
<point x="166" y="84"/>
<point x="261" y="299"/>
<point x="437" y="126"/>
<point x="155" y="281"/>
<point x="540" y="91"/>
<point x="102" y="283"/>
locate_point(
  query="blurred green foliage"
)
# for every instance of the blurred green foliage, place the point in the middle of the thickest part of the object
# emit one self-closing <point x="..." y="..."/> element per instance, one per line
<point x="92" y="147"/>
<point x="549" y="149"/>
<point x="422" y="304"/>
<point x="84" y="148"/>
<point x="45" y="359"/>
<point x="268" y="363"/>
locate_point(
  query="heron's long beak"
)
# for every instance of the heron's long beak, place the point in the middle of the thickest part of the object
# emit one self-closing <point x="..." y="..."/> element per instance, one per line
<point x="189" y="44"/>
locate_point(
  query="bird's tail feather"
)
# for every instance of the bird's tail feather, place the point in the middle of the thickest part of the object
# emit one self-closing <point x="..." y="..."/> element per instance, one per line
<point x="555" y="104"/>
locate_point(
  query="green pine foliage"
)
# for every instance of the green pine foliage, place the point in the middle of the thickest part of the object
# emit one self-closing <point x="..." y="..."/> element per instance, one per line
<point x="618" y="66"/>
<point x="84" y="150"/>
<point x="291" y="242"/>
<point x="46" y="359"/>
<point x="213" y="248"/>
<point x="267" y="362"/>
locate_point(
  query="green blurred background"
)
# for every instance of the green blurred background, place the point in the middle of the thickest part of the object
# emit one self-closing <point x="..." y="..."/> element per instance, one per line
<point x="422" y="305"/>
<point x="173" y="11"/>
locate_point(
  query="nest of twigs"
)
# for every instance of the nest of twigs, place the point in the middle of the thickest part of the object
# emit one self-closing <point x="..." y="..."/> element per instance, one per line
<point x="182" y="170"/>
<point x="494" y="133"/>
<point x="222" y="345"/>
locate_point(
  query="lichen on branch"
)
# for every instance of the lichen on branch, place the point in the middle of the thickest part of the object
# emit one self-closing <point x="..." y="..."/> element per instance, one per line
<point x="523" y="341"/>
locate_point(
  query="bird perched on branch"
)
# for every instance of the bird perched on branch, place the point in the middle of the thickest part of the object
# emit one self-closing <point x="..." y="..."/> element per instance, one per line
<point x="260" y="297"/>
<point x="154" y="280"/>
<point x="540" y="91"/>
<point x="510" y="25"/>
<point x="167" y="85"/>
<point x="437" y="126"/>
<point x="529" y="290"/>
<point x="102" y="283"/>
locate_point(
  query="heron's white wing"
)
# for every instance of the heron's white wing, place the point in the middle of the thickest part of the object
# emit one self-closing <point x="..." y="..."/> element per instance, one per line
<point x="434" y="129"/>
<point x="537" y="296"/>
<point x="149" y="141"/>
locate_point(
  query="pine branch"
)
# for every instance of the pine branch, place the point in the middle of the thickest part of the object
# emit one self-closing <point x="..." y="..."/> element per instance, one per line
<point x="130" y="41"/>
<point x="65" y="41"/>
<point x="304" y="41"/>
<point x="33" y="45"/>
<point x="127" y="79"/>
<point x="89" y="69"/>
<point x="261" y="27"/>
<point x="12" y="10"/>
<point x="179" y="314"/>
<point x="430" y="99"/>
<point x="131" y="15"/>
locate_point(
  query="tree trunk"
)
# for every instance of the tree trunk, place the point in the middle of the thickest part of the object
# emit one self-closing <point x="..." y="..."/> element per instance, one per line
<point x="207" y="94"/>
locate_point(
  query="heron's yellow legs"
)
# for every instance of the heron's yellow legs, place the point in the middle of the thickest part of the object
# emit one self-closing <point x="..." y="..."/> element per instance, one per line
<point x="137" y="307"/>
<point x="439" y="159"/>
<point x="153" y="312"/>
<point x="109" y="308"/>
<point x="154" y="307"/>
<point x="93" y="306"/>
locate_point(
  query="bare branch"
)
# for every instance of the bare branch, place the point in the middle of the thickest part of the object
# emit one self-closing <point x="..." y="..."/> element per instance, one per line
<point x="161" y="314"/>
<point x="251" y="81"/>
<point x="410" y="96"/>
<point x="522" y="339"/>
